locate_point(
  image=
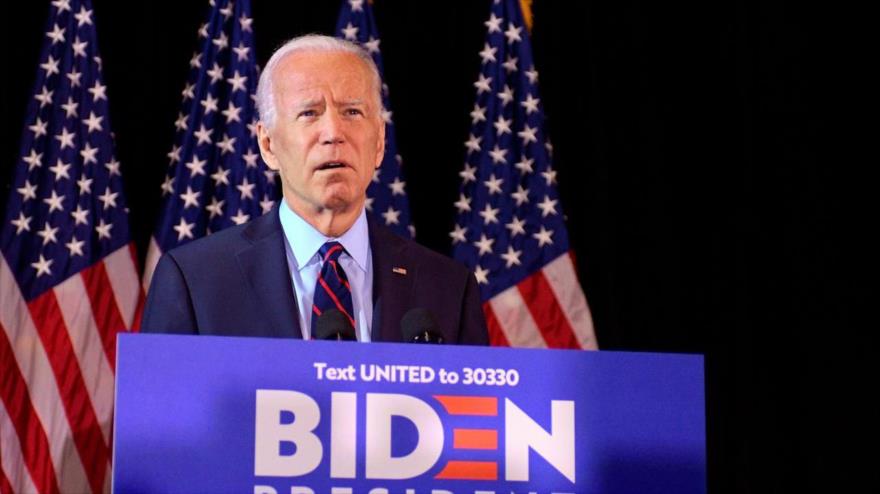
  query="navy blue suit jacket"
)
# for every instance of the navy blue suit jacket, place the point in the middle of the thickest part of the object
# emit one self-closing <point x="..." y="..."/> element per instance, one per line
<point x="237" y="283"/>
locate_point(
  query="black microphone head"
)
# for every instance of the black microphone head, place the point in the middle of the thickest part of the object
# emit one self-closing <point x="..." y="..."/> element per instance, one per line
<point x="419" y="326"/>
<point x="333" y="325"/>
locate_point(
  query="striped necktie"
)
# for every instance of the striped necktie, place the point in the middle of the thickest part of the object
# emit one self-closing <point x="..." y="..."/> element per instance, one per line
<point x="332" y="290"/>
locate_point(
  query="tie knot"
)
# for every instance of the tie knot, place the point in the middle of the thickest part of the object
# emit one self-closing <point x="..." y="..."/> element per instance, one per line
<point x="331" y="251"/>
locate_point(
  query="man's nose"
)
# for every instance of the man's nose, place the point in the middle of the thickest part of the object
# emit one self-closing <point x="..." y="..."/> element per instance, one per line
<point x="331" y="128"/>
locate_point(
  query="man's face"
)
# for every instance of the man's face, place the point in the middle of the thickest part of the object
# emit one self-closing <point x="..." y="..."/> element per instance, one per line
<point x="328" y="136"/>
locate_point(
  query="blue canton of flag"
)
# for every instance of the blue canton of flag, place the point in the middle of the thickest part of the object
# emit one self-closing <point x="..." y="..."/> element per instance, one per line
<point x="386" y="195"/>
<point x="68" y="276"/>
<point x="216" y="177"/>
<point x="510" y="227"/>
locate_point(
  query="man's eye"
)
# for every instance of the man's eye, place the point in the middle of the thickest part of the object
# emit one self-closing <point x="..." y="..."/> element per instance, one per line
<point x="354" y="111"/>
<point x="307" y="113"/>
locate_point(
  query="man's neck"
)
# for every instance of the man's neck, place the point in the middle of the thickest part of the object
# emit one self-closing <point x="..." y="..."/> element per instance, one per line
<point x="332" y="223"/>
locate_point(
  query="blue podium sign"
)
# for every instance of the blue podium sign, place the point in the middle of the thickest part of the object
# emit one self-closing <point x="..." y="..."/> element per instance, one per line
<point x="269" y="416"/>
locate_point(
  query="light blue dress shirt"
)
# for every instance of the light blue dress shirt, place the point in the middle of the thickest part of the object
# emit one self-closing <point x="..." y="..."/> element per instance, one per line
<point x="301" y="244"/>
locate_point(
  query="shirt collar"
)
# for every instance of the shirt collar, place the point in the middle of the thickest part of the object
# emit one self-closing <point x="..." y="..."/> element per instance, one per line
<point x="305" y="241"/>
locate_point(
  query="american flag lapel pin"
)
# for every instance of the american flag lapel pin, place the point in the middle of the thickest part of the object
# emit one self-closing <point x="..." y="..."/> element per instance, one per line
<point x="400" y="271"/>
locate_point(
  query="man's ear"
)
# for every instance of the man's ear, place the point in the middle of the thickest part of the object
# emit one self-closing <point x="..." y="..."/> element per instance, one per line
<point x="380" y="151"/>
<point x="264" y="140"/>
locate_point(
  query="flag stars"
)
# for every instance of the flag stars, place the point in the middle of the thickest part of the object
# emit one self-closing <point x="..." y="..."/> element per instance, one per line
<point x="386" y="116"/>
<point x="392" y="216"/>
<point x="242" y="52"/>
<point x="232" y="113"/>
<point x="221" y="175"/>
<point x="246" y="189"/>
<point x="83" y="17"/>
<point x="215" y="208"/>
<point x="227" y="11"/>
<point x="48" y="233"/>
<point x="188" y="92"/>
<point x="498" y="155"/>
<point x="98" y="91"/>
<point x="103" y="229"/>
<point x="65" y="138"/>
<point x="85" y="185"/>
<point x="397" y="187"/>
<point x="525" y="165"/>
<point x="478" y="114"/>
<point x="112" y="167"/>
<point x="38" y="128"/>
<point x="516" y="227"/>
<point x="521" y="195"/>
<point x="184" y="229"/>
<point x="494" y="184"/>
<point x="506" y="96"/>
<point x="372" y="45"/>
<point x="75" y="247"/>
<point x="56" y="34"/>
<point x="221" y="41"/>
<point x="60" y="169"/>
<point x="43" y="266"/>
<point x="510" y="64"/>
<point x="511" y="257"/>
<point x="93" y="122"/>
<point x="196" y="166"/>
<point x="458" y="234"/>
<point x="547" y="206"/>
<point x="528" y="135"/>
<point x="226" y="145"/>
<point x="482" y="275"/>
<point x="80" y="216"/>
<point x="468" y="174"/>
<point x="543" y="237"/>
<point x="266" y="204"/>
<point x="488" y="53"/>
<point x="108" y="198"/>
<point x="473" y="144"/>
<point x="44" y="97"/>
<point x="55" y="202"/>
<point x="216" y="73"/>
<point x="209" y="103"/>
<point x="250" y="158"/>
<point x="34" y="159"/>
<point x="483" y="84"/>
<point x="79" y="47"/>
<point x="484" y="244"/>
<point x="530" y="104"/>
<point x="50" y="66"/>
<point x="502" y="125"/>
<point x="203" y="135"/>
<point x="61" y="5"/>
<point x="240" y="218"/>
<point x="180" y="123"/>
<point x="532" y="74"/>
<point x="174" y="154"/>
<point x="196" y="61"/>
<point x="513" y="33"/>
<point x="245" y="23"/>
<point x="28" y="191"/>
<point x="463" y="204"/>
<point x="489" y="214"/>
<point x="74" y="77"/>
<point x="237" y="82"/>
<point x="88" y="154"/>
<point x="190" y="198"/>
<point x="23" y="223"/>
<point x="494" y="23"/>
<point x="203" y="30"/>
<point x="356" y="5"/>
<point x="168" y="186"/>
<point x="350" y="32"/>
<point x="549" y="176"/>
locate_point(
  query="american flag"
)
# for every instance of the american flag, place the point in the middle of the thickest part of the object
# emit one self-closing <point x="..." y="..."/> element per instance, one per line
<point x="216" y="177"/>
<point x="68" y="276"/>
<point x="386" y="195"/>
<point x="510" y="228"/>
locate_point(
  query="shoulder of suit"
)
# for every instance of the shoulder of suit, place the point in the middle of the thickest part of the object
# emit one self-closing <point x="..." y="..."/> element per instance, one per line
<point x="226" y="242"/>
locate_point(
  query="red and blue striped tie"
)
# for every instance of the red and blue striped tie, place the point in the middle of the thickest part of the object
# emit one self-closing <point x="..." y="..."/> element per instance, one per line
<point x="332" y="290"/>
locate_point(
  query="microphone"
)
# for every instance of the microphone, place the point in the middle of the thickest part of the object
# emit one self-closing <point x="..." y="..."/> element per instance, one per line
<point x="419" y="326"/>
<point x="333" y="325"/>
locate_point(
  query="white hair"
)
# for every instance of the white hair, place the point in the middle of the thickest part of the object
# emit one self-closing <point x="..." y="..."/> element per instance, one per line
<point x="310" y="42"/>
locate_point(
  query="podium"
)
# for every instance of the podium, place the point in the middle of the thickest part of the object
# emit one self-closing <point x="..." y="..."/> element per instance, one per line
<point x="271" y="416"/>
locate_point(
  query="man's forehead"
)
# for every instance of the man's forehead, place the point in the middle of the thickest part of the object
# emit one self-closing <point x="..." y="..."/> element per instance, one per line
<point x="315" y="68"/>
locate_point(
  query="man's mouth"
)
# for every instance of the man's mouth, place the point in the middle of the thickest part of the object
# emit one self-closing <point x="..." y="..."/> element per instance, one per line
<point x="331" y="165"/>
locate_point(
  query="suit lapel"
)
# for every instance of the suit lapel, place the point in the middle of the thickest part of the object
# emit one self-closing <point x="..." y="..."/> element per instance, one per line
<point x="264" y="266"/>
<point x="393" y="274"/>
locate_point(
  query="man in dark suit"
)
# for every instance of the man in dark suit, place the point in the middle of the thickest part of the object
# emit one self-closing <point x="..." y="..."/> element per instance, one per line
<point x="321" y="130"/>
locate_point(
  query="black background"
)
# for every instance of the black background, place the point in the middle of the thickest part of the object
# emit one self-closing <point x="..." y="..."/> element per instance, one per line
<point x="707" y="170"/>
